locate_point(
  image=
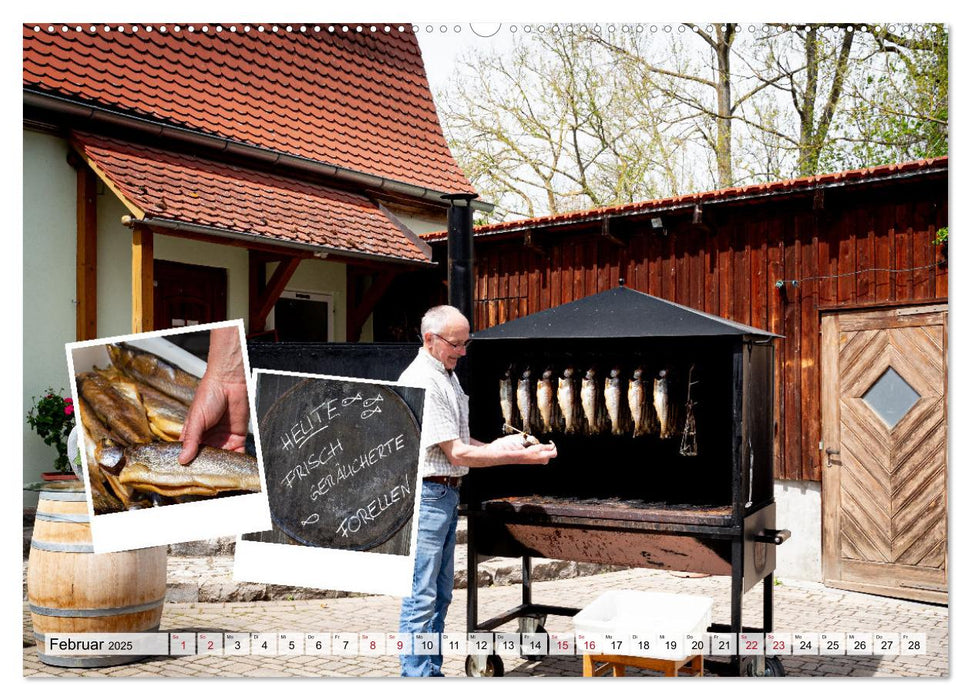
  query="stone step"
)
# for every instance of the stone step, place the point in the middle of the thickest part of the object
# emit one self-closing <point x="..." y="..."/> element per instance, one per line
<point x="205" y="548"/>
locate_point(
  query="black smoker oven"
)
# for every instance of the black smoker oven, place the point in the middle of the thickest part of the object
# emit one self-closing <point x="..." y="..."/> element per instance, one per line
<point x="701" y="502"/>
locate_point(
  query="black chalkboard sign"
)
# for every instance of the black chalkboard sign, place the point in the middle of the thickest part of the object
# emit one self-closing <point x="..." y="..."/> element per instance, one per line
<point x="341" y="459"/>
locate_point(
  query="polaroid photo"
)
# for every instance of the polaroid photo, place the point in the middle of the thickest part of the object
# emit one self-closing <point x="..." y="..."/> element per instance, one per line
<point x="340" y="456"/>
<point x="133" y="394"/>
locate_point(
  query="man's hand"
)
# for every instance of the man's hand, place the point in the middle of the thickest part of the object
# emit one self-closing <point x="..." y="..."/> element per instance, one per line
<point x="219" y="415"/>
<point x="539" y="454"/>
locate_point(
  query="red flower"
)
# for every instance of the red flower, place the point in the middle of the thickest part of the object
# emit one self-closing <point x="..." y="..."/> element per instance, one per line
<point x="68" y="410"/>
<point x="68" y="399"/>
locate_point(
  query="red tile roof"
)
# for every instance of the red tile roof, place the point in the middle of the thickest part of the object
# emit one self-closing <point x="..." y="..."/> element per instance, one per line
<point x="356" y="99"/>
<point x="782" y="186"/>
<point x="187" y="189"/>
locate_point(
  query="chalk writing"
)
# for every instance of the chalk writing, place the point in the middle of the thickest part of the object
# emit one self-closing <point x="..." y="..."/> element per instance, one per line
<point x="310" y="424"/>
<point x="318" y="459"/>
<point x="336" y="475"/>
<point x="362" y="461"/>
<point x="352" y="523"/>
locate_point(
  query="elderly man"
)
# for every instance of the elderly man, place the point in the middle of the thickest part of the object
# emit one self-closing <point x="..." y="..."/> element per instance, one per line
<point x="447" y="453"/>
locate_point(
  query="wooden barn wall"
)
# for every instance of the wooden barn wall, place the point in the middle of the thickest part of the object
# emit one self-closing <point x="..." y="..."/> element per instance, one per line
<point x="840" y="249"/>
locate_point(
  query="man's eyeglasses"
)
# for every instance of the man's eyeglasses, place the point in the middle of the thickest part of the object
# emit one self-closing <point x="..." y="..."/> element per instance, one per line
<point x="455" y="346"/>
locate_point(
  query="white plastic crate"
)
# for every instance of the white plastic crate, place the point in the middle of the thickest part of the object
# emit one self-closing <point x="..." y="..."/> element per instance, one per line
<point x="647" y="613"/>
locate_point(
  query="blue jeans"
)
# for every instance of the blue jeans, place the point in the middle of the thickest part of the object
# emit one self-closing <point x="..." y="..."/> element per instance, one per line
<point x="431" y="590"/>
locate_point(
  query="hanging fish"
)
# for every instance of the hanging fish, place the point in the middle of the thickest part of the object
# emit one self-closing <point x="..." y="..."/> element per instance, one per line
<point x="524" y="400"/>
<point x="637" y="402"/>
<point x="590" y="401"/>
<point x="662" y="404"/>
<point x="507" y="399"/>
<point x="566" y="399"/>
<point x="546" y="401"/>
<point x="613" y="398"/>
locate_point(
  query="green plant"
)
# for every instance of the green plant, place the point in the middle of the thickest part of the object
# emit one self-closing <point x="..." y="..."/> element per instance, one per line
<point x="940" y="238"/>
<point x="52" y="417"/>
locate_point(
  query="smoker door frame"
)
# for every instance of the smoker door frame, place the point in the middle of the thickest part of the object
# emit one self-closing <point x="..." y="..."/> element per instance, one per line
<point x="753" y="419"/>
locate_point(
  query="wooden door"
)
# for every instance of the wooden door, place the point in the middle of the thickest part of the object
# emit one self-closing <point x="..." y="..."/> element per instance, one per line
<point x="884" y="452"/>
<point x="188" y="295"/>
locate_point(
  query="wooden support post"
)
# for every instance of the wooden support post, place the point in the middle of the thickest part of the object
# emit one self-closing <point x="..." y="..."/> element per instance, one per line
<point x="142" y="280"/>
<point x="262" y="303"/>
<point x="86" y="273"/>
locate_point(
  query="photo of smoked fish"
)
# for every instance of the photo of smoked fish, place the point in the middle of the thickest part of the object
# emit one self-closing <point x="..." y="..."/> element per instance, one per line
<point x="546" y="401"/>
<point x="566" y="398"/>
<point x="507" y="400"/>
<point x="155" y="467"/>
<point x="131" y="413"/>
<point x="154" y="371"/>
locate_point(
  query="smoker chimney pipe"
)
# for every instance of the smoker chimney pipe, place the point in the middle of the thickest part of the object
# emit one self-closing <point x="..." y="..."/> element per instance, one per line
<point x="461" y="270"/>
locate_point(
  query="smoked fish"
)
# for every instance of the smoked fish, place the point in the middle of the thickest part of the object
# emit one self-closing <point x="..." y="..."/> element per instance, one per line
<point x="566" y="398"/>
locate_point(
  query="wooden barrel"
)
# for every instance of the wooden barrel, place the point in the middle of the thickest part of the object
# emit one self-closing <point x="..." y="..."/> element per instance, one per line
<point x="72" y="589"/>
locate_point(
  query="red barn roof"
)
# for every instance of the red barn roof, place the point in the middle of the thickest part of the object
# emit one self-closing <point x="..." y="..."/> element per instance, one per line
<point x="357" y="99"/>
<point x="846" y="177"/>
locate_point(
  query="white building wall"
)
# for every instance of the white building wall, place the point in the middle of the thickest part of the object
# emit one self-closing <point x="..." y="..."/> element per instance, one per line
<point x="421" y="226"/>
<point x="798" y="509"/>
<point x="49" y="259"/>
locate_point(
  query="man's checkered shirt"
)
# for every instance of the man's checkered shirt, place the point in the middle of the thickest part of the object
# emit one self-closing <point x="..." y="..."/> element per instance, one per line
<point x="446" y="414"/>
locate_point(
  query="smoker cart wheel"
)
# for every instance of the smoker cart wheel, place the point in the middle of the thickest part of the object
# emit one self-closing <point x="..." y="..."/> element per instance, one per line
<point x="773" y="668"/>
<point x="478" y="666"/>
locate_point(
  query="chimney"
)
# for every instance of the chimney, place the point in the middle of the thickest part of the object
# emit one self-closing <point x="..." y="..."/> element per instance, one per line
<point x="461" y="271"/>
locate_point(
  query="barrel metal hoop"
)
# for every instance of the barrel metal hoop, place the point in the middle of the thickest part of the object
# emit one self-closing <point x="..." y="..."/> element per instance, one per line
<point x="63" y="517"/>
<point x="97" y="612"/>
<point x="61" y="547"/>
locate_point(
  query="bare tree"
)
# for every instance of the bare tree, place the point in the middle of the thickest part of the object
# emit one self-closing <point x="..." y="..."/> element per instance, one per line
<point x="552" y="128"/>
<point x="581" y="117"/>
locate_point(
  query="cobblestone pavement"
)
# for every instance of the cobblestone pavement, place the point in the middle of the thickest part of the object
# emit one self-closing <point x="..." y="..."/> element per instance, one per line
<point x="799" y="607"/>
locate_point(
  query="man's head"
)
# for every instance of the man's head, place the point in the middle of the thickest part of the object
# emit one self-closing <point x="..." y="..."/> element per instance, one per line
<point x="444" y="333"/>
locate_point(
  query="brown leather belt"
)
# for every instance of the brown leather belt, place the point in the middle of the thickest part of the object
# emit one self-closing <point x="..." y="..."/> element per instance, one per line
<point x="453" y="481"/>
